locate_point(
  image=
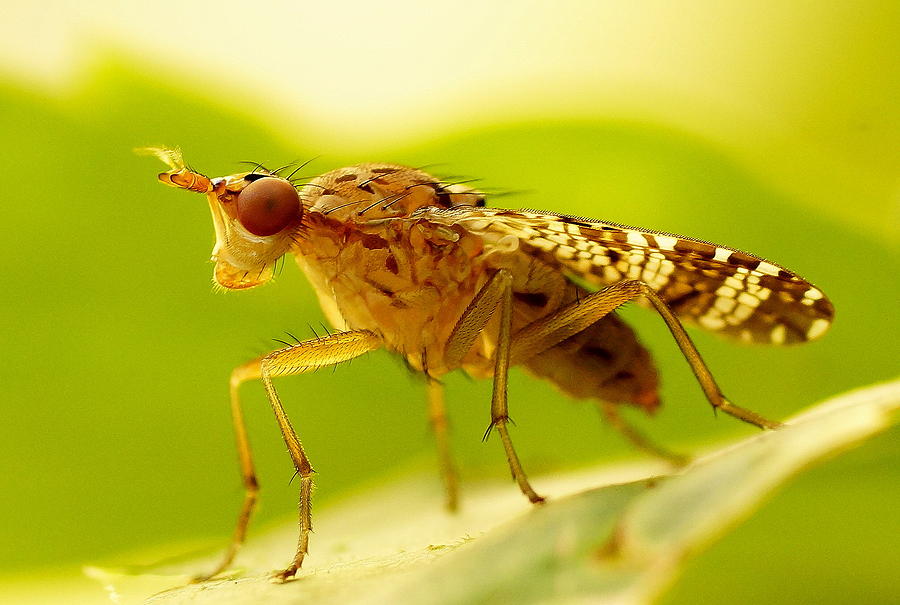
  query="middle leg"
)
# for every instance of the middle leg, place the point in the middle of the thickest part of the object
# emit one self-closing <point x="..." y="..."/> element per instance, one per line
<point x="437" y="413"/>
<point x="495" y="293"/>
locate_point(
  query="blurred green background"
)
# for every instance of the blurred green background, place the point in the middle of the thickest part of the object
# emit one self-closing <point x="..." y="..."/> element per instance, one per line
<point x="116" y="436"/>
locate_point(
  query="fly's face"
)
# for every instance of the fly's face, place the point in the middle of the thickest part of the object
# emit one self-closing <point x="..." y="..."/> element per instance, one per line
<point x="256" y="216"/>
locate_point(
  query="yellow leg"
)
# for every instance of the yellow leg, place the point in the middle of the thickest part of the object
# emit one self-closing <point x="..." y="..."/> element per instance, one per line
<point x="575" y="317"/>
<point x="611" y="414"/>
<point x="241" y="374"/>
<point x="496" y="293"/>
<point x="438" y="415"/>
<point x="296" y="359"/>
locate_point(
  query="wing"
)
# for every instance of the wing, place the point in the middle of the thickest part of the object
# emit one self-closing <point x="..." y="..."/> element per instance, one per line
<point x="718" y="288"/>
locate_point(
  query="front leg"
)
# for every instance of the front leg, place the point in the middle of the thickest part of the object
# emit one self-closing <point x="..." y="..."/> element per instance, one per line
<point x="296" y="359"/>
<point x="241" y="374"/>
<point x="299" y="359"/>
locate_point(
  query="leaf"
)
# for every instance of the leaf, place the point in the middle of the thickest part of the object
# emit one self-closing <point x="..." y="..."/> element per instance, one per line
<point x="610" y="534"/>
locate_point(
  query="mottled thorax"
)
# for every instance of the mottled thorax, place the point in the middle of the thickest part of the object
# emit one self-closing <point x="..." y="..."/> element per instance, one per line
<point x="378" y="265"/>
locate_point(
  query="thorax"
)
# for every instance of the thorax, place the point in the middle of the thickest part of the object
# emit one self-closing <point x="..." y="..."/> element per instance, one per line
<point x="397" y="262"/>
<point x="408" y="281"/>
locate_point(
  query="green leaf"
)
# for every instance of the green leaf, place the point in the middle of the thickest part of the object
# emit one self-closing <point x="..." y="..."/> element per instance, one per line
<point x="610" y="534"/>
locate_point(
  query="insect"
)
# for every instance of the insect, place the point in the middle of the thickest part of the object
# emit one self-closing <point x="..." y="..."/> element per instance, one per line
<point x="403" y="261"/>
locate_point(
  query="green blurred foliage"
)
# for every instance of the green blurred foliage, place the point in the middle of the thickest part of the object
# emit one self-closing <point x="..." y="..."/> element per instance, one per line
<point x="116" y="432"/>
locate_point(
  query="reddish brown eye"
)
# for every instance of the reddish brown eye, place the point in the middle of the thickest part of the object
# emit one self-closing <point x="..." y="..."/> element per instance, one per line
<point x="268" y="205"/>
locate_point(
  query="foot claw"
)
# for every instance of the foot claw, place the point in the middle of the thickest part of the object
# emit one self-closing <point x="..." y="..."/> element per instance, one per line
<point x="678" y="461"/>
<point x="487" y="433"/>
<point x="280" y="577"/>
<point x="201" y="578"/>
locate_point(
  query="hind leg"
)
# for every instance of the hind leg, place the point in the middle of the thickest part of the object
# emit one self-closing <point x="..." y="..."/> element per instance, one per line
<point x="575" y="317"/>
<point x="610" y="413"/>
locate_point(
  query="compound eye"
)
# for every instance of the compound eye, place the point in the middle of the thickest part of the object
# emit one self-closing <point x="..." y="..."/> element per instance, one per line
<point x="267" y="206"/>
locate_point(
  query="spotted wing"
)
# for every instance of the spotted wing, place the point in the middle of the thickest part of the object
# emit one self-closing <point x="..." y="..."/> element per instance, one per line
<point x="718" y="288"/>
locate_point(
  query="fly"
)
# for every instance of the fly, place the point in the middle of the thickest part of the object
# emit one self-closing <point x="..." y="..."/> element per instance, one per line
<point x="404" y="261"/>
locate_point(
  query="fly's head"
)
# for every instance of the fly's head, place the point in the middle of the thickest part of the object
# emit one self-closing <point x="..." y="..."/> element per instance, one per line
<point x="256" y="216"/>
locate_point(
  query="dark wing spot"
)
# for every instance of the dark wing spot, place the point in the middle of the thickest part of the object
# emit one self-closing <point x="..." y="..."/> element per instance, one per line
<point x="345" y="178"/>
<point x="824" y="307"/>
<point x="683" y="300"/>
<point x="698" y="248"/>
<point x="619" y="236"/>
<point x="743" y="260"/>
<point x="771" y="282"/>
<point x="366" y="187"/>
